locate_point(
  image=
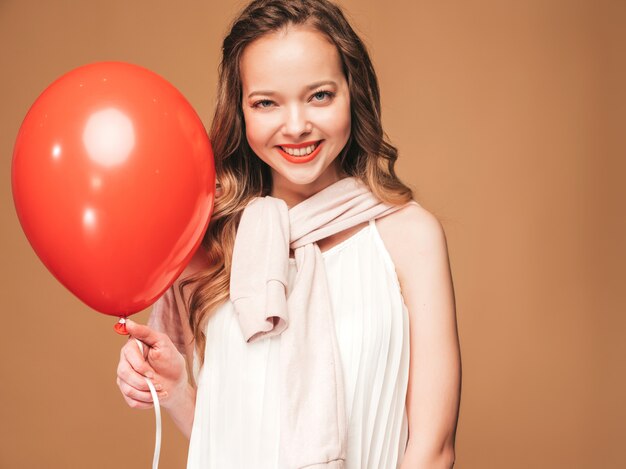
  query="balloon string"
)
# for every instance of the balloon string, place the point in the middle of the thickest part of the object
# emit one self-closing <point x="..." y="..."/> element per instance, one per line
<point x="157" y="412"/>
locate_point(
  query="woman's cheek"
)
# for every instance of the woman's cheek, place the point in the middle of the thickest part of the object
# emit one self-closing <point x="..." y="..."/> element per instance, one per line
<point x="327" y="119"/>
<point x="254" y="130"/>
<point x="263" y="124"/>
<point x="335" y="121"/>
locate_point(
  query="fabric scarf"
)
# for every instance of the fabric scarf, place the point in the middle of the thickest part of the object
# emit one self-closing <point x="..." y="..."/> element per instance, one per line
<point x="312" y="403"/>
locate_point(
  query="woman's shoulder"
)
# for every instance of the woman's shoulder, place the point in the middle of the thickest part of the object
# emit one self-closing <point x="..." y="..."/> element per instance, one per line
<point x="410" y="219"/>
<point x="198" y="262"/>
<point x="409" y="232"/>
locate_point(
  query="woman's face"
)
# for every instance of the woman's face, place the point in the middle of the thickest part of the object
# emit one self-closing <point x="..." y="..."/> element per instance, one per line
<point x="296" y="107"/>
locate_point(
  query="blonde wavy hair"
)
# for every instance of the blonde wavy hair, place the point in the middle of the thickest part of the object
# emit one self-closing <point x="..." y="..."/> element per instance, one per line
<point x="241" y="175"/>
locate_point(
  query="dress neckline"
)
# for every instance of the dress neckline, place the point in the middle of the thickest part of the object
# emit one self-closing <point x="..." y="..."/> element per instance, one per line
<point x="339" y="246"/>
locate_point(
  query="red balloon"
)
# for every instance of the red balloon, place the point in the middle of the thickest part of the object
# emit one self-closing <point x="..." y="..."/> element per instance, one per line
<point x="113" y="182"/>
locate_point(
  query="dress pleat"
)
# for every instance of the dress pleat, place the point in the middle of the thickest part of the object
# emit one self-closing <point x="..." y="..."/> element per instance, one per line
<point x="236" y="423"/>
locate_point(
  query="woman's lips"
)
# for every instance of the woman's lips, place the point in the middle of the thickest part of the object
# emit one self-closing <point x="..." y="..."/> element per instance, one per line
<point x="299" y="145"/>
<point x="300" y="159"/>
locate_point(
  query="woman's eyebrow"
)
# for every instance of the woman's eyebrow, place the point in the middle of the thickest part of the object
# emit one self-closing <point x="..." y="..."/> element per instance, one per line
<point x="308" y="87"/>
<point x="320" y="83"/>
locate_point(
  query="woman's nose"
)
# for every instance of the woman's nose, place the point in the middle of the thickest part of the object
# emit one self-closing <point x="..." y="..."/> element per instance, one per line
<point x="296" y="122"/>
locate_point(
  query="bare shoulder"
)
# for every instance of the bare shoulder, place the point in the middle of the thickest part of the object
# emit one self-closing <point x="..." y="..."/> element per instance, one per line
<point x="408" y="225"/>
<point x="198" y="262"/>
<point x="410" y="233"/>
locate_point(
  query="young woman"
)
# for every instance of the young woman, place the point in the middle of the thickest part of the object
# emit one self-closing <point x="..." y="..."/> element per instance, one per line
<point x="315" y="326"/>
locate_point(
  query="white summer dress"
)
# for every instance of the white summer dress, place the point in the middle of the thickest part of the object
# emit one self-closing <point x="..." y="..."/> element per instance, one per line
<point x="236" y="423"/>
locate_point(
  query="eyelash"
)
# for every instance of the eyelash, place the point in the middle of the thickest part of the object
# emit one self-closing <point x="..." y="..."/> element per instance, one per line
<point x="327" y="93"/>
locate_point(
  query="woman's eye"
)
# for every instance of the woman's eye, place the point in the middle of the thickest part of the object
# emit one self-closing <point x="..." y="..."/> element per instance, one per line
<point x="262" y="103"/>
<point x="321" y="95"/>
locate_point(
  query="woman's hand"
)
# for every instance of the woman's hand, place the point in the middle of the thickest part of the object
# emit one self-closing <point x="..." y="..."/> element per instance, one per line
<point x="160" y="361"/>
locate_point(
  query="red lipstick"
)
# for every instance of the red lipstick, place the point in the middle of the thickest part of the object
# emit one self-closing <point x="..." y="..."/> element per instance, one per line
<point x="300" y="159"/>
<point x="299" y="145"/>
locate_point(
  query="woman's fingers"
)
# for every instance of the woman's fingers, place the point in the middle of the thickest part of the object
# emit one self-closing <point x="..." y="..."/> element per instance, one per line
<point x="148" y="336"/>
<point x="132" y="354"/>
<point x="126" y="373"/>
<point x="134" y="396"/>
<point x="137" y="404"/>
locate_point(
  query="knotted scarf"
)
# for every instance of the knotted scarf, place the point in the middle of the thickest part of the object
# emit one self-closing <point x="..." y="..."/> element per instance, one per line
<point x="312" y="410"/>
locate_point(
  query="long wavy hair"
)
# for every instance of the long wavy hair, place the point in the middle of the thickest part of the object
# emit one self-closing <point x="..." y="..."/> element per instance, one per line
<point x="241" y="175"/>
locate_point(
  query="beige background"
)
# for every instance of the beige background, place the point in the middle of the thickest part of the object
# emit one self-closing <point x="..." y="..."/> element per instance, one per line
<point x="509" y="117"/>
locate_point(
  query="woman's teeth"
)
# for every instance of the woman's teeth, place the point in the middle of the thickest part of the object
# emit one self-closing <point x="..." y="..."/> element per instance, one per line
<point x="300" y="151"/>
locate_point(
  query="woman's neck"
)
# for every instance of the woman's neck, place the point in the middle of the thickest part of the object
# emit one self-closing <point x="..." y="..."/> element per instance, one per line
<point x="293" y="193"/>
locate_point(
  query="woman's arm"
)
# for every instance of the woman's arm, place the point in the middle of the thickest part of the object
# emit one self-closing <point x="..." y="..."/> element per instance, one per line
<point x="417" y="244"/>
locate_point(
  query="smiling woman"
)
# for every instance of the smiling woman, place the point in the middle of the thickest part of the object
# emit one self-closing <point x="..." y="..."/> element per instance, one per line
<point x="346" y="355"/>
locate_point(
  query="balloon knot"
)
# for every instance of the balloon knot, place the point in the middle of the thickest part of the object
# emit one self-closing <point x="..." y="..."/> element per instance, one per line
<point x="120" y="327"/>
